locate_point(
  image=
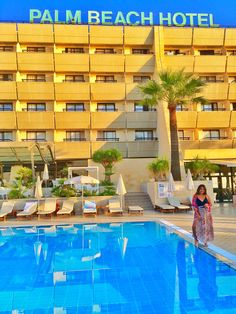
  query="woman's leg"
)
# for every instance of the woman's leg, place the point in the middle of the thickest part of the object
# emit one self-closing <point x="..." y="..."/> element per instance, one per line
<point x="194" y="225"/>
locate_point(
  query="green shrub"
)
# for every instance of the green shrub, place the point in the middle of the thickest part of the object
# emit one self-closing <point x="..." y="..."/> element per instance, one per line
<point x="15" y="193"/>
<point x="64" y="191"/>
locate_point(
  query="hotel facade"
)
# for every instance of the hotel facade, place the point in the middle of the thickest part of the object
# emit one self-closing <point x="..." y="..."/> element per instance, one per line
<point x="69" y="90"/>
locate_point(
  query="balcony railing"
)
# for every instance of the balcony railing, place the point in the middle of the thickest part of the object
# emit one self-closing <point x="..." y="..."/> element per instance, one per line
<point x="5" y="140"/>
<point x="105" y="139"/>
<point x="73" y="81"/>
<point x="106" y="81"/>
<point x="184" y="138"/>
<point x="215" y="138"/>
<point x="75" y="110"/>
<point x="34" y="80"/>
<point x="34" y="140"/>
<point x="151" y="138"/>
<point x="107" y="110"/>
<point x="77" y="139"/>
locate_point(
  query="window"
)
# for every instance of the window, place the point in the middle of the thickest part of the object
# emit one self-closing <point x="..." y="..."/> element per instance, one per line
<point x="74" y="78"/>
<point x="74" y="50"/>
<point x="141" y="108"/>
<point x="35" y="49"/>
<point x="140" y="78"/>
<point x="181" y="107"/>
<point x="208" y="78"/>
<point x="35" y="78"/>
<point x="75" y="107"/>
<point x="211" y="135"/>
<point x="6" y="106"/>
<point x="36" y="107"/>
<point x="210" y="107"/>
<point x="109" y="136"/>
<point x="105" y="78"/>
<point x="36" y="136"/>
<point x="144" y="135"/>
<point x="231" y="52"/>
<point x="182" y="137"/>
<point x="6" y="48"/>
<point x="6" y="77"/>
<point x="234" y="106"/>
<point x="106" y="107"/>
<point x="104" y="50"/>
<point x="75" y="136"/>
<point x="137" y="51"/>
<point x="5" y="136"/>
<point x="206" y="52"/>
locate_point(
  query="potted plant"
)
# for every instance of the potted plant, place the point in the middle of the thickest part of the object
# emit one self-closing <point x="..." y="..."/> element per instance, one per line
<point x="159" y="168"/>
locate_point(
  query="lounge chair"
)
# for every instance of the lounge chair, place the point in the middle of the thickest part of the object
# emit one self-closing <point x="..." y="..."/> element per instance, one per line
<point x="48" y="208"/>
<point x="115" y="207"/>
<point x="135" y="209"/>
<point x="7" y="208"/>
<point x="67" y="208"/>
<point x="30" y="208"/>
<point x="165" y="208"/>
<point x="89" y="208"/>
<point x="176" y="203"/>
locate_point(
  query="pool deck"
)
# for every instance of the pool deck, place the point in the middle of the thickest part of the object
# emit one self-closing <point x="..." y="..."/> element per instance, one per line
<point x="224" y="223"/>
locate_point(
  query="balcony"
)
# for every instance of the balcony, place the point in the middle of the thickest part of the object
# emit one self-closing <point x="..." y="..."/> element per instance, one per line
<point x="72" y="150"/>
<point x="72" y="120"/>
<point x="143" y="149"/>
<point x="72" y="92"/>
<point x="219" y="143"/>
<point x="35" y="120"/>
<point x="215" y="91"/>
<point x="7" y="90"/>
<point x="210" y="64"/>
<point x="133" y="92"/>
<point x="232" y="91"/>
<point x="139" y="63"/>
<point x="231" y="64"/>
<point x="7" y="120"/>
<point x="121" y="146"/>
<point x="35" y="90"/>
<point x="34" y="61"/>
<point x="112" y="35"/>
<point x="208" y="37"/>
<point x="141" y="120"/>
<point x="68" y="62"/>
<point x="136" y="35"/>
<point x="230" y="37"/>
<point x="108" y="120"/>
<point x="71" y="34"/>
<point x="214" y="119"/>
<point x="233" y="120"/>
<point x="106" y="63"/>
<point x="8" y="61"/>
<point x="8" y="33"/>
<point x="187" y="119"/>
<point x="35" y="33"/>
<point x="179" y="62"/>
<point x="108" y="91"/>
<point x="174" y="36"/>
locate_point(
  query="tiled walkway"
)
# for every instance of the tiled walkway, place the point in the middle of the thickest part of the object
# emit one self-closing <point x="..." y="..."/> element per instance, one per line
<point x="224" y="223"/>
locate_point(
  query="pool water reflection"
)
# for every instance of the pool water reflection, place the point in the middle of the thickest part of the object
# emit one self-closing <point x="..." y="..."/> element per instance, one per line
<point x="110" y="268"/>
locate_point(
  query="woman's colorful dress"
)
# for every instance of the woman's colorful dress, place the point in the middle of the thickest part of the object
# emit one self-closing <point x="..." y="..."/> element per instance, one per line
<point x="203" y="226"/>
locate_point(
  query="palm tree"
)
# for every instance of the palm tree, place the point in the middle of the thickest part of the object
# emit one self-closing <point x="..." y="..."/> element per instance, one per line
<point x="175" y="88"/>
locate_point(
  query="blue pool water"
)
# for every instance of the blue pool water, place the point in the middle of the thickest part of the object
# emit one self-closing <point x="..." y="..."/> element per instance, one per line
<point x="110" y="268"/>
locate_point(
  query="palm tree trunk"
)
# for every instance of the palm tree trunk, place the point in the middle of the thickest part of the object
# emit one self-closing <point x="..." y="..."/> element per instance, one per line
<point x="175" y="163"/>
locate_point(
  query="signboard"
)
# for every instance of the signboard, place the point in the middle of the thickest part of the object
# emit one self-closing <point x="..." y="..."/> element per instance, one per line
<point x="202" y="13"/>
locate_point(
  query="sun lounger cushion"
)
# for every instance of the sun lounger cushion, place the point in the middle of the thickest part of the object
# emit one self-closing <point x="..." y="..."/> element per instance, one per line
<point x="89" y="205"/>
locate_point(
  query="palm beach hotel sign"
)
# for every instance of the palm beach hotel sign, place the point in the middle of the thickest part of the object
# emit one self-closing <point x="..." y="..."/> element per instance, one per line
<point x="198" y="13"/>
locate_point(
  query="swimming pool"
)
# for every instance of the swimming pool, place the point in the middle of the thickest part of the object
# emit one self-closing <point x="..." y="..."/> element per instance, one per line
<point x="110" y="268"/>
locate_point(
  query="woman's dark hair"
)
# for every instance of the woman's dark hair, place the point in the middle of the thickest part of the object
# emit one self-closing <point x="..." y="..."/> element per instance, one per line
<point x="200" y="187"/>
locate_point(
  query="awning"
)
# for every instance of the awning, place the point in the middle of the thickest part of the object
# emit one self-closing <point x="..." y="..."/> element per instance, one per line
<point x="224" y="162"/>
<point x="23" y="152"/>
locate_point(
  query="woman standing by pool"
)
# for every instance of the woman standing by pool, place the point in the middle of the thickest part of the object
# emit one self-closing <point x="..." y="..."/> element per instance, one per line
<point x="202" y="224"/>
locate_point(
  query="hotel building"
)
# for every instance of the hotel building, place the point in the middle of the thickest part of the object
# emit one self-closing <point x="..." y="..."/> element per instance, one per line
<point x="69" y="90"/>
